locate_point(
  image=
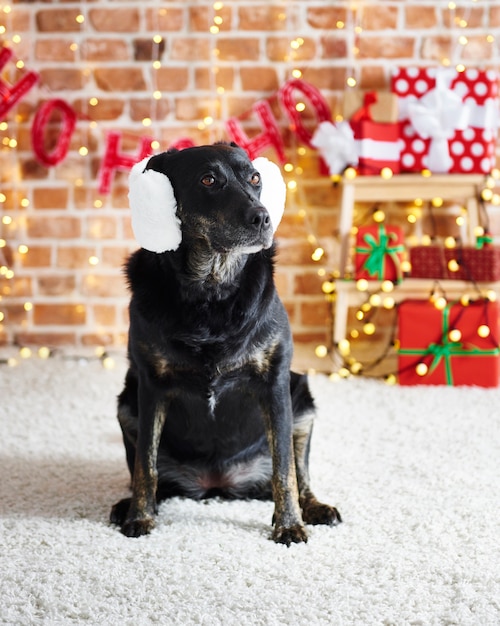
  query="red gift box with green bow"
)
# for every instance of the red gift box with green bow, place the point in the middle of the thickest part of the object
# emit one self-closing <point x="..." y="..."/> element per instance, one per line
<point x="456" y="345"/>
<point x="379" y="252"/>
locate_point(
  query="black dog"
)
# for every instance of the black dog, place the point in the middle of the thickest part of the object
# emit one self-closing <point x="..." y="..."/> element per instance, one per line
<point x="210" y="406"/>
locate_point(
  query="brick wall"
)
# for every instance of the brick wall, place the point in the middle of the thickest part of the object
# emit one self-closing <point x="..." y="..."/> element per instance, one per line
<point x="210" y="60"/>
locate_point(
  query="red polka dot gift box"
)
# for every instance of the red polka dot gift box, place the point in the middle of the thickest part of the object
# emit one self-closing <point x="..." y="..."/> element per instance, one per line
<point x="448" y="120"/>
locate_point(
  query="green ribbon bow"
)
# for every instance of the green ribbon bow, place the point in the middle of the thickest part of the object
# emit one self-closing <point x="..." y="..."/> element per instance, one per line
<point x="447" y="349"/>
<point x="483" y="240"/>
<point x="377" y="250"/>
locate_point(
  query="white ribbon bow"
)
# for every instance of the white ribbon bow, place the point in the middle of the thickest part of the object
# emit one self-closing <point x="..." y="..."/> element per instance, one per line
<point x="336" y="145"/>
<point x="436" y="116"/>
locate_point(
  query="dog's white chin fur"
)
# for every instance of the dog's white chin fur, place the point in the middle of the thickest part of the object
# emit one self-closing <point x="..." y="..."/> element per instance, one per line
<point x="251" y="249"/>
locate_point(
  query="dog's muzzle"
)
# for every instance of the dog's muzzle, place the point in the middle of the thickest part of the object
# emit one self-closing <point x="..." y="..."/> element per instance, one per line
<point x="261" y="219"/>
<point x="261" y="228"/>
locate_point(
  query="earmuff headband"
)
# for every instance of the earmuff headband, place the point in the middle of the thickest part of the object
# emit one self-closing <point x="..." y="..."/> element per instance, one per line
<point x="153" y="205"/>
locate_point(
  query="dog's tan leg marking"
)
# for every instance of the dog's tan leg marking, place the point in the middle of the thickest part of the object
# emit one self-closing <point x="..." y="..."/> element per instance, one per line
<point x="288" y="525"/>
<point x="140" y="518"/>
<point x="313" y="511"/>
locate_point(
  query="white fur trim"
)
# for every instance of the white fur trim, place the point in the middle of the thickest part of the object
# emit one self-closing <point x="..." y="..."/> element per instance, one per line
<point x="153" y="205"/>
<point x="273" y="194"/>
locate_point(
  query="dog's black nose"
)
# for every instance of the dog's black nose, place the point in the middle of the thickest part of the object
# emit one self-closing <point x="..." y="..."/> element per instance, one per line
<point x="260" y="219"/>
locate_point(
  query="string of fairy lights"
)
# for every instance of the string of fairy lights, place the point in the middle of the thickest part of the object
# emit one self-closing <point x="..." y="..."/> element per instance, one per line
<point x="457" y="16"/>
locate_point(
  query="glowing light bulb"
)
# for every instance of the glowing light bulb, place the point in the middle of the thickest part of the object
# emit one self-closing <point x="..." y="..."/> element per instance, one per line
<point x="369" y="328"/>
<point x="44" y="352"/>
<point x="108" y="363"/>
<point x="344" y="347"/>
<point x="491" y="295"/>
<point x="440" y="303"/>
<point x="421" y="369"/>
<point x="487" y="195"/>
<point x="321" y="351"/>
<point x="356" y="367"/>
<point x="317" y="254"/>
<point x="483" y="331"/>
<point x="455" y="335"/>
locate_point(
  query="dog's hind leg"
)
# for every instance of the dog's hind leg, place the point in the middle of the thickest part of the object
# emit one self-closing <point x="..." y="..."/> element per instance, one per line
<point x="313" y="511"/>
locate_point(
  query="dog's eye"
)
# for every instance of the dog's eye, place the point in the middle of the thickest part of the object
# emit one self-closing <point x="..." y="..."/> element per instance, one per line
<point x="208" y="180"/>
<point x="255" y="180"/>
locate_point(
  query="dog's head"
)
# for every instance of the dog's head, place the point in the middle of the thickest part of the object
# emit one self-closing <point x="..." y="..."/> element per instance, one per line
<point x="211" y="193"/>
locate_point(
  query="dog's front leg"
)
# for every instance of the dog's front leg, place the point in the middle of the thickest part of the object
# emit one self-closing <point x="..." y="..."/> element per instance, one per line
<point x="140" y="519"/>
<point x="288" y="525"/>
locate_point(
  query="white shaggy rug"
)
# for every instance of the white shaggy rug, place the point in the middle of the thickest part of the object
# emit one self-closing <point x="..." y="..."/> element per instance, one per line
<point x="414" y="472"/>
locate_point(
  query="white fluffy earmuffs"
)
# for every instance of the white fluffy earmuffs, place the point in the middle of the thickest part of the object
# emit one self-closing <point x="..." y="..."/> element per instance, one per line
<point x="153" y="205"/>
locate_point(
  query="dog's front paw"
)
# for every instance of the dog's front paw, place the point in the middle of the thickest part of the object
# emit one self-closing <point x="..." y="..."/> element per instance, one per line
<point x="131" y="526"/>
<point x="293" y="534"/>
<point x="138" y="527"/>
<point x="119" y="511"/>
<point x="314" y="512"/>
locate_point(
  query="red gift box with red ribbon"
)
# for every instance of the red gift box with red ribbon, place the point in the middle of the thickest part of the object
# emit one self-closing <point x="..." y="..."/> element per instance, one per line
<point x="455" y="345"/>
<point x="377" y="143"/>
<point x="379" y="253"/>
<point x="448" y="119"/>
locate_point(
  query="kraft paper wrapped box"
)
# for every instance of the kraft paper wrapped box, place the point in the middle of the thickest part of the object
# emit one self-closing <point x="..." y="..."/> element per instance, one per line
<point x="473" y="263"/>
<point x="377" y="139"/>
<point x="448" y="346"/>
<point x="379" y="253"/>
<point x="383" y="105"/>
<point x="448" y="119"/>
